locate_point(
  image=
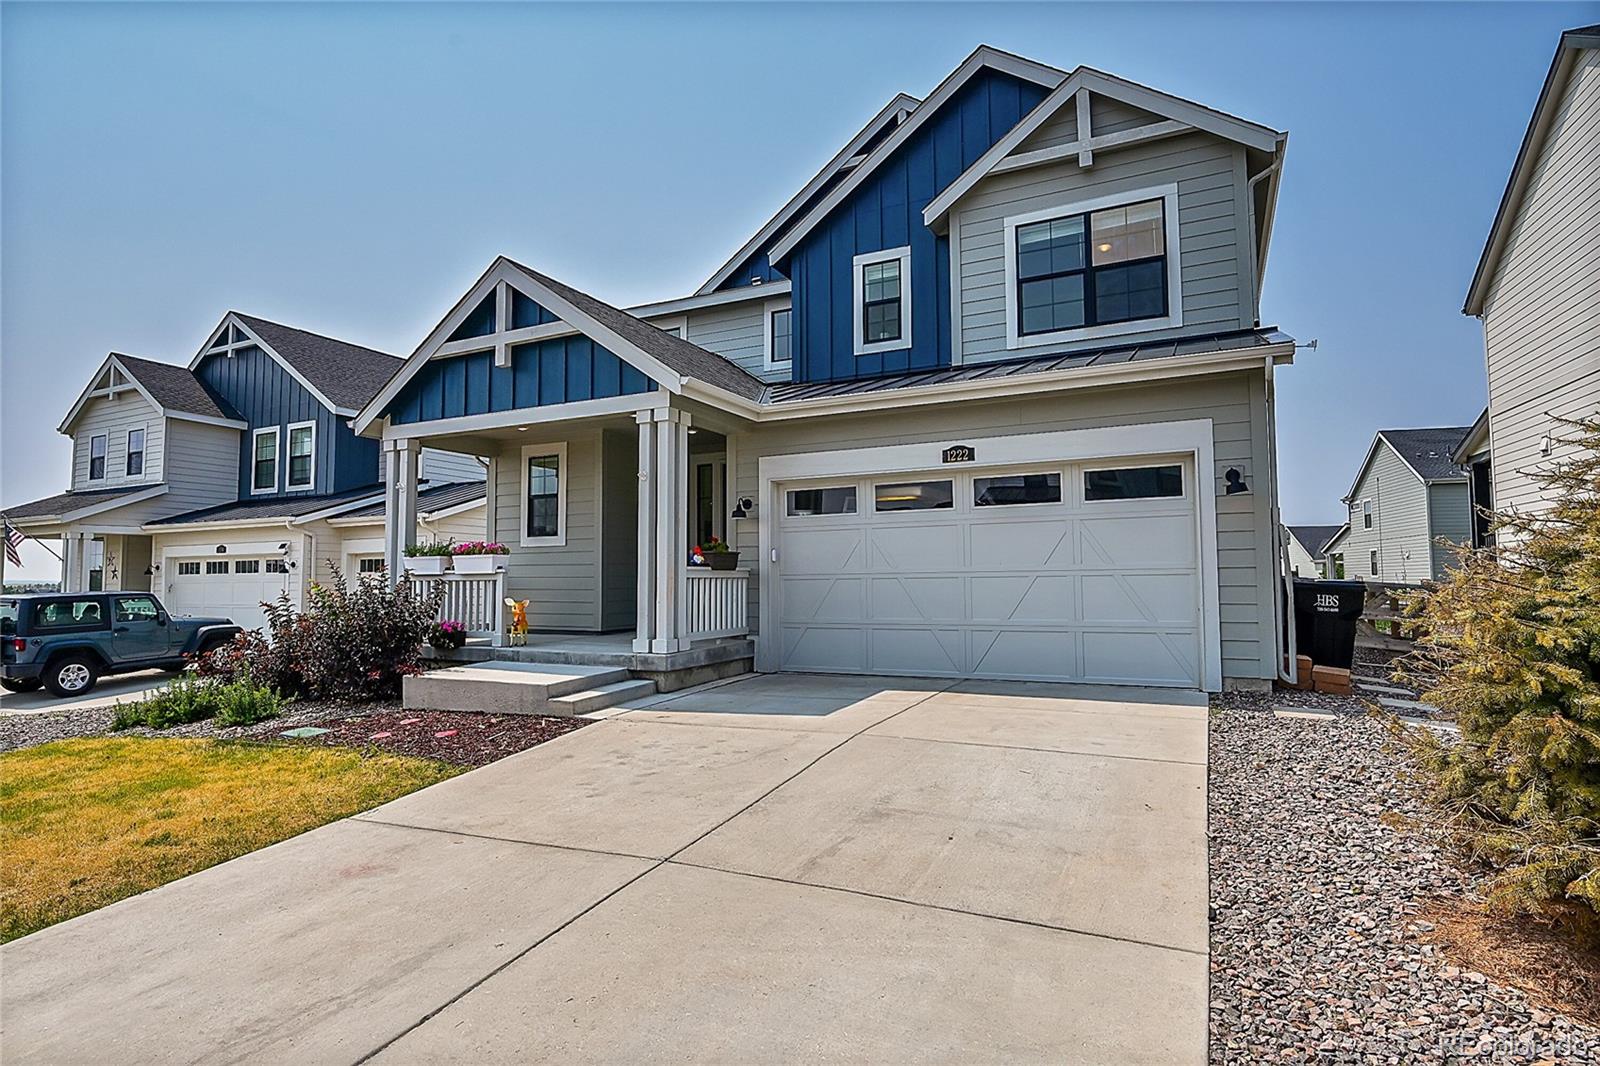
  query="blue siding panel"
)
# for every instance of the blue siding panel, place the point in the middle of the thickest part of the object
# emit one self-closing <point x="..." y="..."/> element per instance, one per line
<point x="526" y="312"/>
<point x="542" y="373"/>
<point x="265" y="394"/>
<point x="886" y="212"/>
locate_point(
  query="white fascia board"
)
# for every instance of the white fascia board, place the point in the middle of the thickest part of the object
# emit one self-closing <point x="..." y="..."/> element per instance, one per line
<point x="526" y="416"/>
<point x="1168" y="368"/>
<point x="255" y="341"/>
<point x="1026" y="69"/>
<point x="1333" y="541"/>
<point x="511" y="273"/>
<point x="339" y="508"/>
<point x="846" y="156"/>
<point x="1170" y="107"/>
<point x="208" y="420"/>
<point x="90" y="393"/>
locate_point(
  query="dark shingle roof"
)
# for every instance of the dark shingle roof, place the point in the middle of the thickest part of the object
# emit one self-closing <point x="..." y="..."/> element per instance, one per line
<point x="277" y="507"/>
<point x="63" y="503"/>
<point x="687" y="359"/>
<point x="1314" y="538"/>
<point x="176" y="388"/>
<point x="429" y="500"/>
<point x="345" y="373"/>
<point x="1218" y="342"/>
<point x="1429" y="450"/>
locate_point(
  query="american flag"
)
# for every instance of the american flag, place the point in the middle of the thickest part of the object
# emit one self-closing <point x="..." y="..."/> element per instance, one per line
<point x="14" y="539"/>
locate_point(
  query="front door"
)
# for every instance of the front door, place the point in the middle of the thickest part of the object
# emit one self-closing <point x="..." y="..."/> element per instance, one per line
<point x="137" y="631"/>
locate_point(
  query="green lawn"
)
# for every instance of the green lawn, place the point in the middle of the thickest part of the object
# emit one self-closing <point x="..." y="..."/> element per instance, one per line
<point x="87" y="822"/>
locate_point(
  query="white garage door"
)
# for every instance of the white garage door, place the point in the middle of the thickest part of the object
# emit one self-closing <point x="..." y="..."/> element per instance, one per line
<point x="1059" y="572"/>
<point x="227" y="588"/>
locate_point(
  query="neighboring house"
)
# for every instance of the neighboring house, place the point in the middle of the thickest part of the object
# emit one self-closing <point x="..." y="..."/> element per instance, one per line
<point x="1408" y="495"/>
<point x="990" y="396"/>
<point x="1537" y="284"/>
<point x="1307" y="549"/>
<point x="218" y="484"/>
<point x="1333" y="553"/>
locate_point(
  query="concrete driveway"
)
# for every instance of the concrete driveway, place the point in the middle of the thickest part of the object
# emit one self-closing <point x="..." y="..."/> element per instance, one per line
<point x="778" y="868"/>
<point x="119" y="688"/>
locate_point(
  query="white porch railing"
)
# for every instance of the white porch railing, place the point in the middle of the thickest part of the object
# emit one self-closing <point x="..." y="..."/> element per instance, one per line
<point x="718" y="602"/>
<point x="474" y="600"/>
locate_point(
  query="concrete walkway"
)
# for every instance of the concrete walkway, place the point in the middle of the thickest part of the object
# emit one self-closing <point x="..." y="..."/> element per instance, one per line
<point x="779" y="868"/>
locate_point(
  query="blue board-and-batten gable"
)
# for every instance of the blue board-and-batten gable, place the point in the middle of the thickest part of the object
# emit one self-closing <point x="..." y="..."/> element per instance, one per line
<point x="885" y="211"/>
<point x="265" y="394"/>
<point x="542" y="373"/>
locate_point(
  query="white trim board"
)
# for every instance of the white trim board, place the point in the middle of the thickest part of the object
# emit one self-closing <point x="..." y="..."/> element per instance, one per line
<point x="1189" y="437"/>
<point x="846" y="156"/>
<point x="983" y="57"/>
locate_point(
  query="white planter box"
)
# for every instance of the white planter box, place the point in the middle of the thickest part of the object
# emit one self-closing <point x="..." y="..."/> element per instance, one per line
<point x="480" y="564"/>
<point x="427" y="565"/>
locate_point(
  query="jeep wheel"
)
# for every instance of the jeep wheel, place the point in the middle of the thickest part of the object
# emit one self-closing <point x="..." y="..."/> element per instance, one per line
<point x="71" y="675"/>
<point x="20" y="684"/>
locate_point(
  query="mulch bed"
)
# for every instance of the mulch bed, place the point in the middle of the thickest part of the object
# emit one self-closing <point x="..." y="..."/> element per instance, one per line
<point x="462" y="738"/>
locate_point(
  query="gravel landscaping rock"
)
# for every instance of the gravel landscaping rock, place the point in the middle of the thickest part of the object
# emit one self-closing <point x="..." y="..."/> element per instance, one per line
<point x="1319" y="877"/>
<point x="26" y="730"/>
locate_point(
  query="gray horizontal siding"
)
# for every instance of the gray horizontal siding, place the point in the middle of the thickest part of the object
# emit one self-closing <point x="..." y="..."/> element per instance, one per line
<point x="1542" y="314"/>
<point x="1450" y="515"/>
<point x="1234" y="402"/>
<point x="114" y="417"/>
<point x="1213" y="251"/>
<point x="1399" y="532"/>
<point x="738" y="334"/>
<point x="562" y="584"/>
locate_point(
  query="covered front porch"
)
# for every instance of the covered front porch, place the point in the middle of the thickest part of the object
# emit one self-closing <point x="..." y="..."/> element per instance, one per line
<point x="600" y="503"/>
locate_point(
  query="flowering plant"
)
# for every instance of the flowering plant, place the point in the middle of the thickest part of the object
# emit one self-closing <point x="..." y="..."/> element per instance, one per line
<point x="432" y="548"/>
<point x="480" y="547"/>
<point x="447" y="635"/>
<point x="715" y="544"/>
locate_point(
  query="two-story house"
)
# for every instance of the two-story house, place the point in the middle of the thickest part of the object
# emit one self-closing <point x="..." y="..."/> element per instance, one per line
<point x="989" y="397"/>
<point x="1308" y="550"/>
<point x="1409" y="503"/>
<point x="218" y="483"/>
<point x="1537" y="286"/>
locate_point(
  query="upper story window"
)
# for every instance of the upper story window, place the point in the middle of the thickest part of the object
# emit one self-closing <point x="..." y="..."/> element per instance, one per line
<point x="264" y="460"/>
<point x="97" y="457"/>
<point x="135" y="464"/>
<point x="302" y="455"/>
<point x="882" y="301"/>
<point x="1091" y="269"/>
<point x="780" y="338"/>
<point x="1366" y="514"/>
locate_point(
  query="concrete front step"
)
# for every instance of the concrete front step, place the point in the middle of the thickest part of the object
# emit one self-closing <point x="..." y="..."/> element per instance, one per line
<point x="598" y="699"/>
<point x="509" y="688"/>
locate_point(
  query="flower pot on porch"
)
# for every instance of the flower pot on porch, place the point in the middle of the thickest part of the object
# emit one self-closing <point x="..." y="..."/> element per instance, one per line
<point x="427" y="565"/>
<point x="479" y="564"/>
<point x="722" y="560"/>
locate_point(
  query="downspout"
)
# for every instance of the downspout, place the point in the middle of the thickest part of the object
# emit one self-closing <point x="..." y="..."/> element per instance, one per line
<point x="1289" y="663"/>
<point x="1257" y="240"/>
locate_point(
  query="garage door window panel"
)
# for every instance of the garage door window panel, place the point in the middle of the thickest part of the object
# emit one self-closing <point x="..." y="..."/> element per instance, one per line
<point x="188" y="569"/>
<point x="1133" y="483"/>
<point x="802" y="503"/>
<point x="914" y="496"/>
<point x="1015" y="490"/>
<point x="215" y="567"/>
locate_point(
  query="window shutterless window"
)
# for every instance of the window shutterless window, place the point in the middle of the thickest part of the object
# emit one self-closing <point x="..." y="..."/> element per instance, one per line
<point x="1372" y="558"/>
<point x="1366" y="514"/>
<point x="135" y="465"/>
<point x="1008" y="490"/>
<point x="782" y="327"/>
<point x="1092" y="269"/>
<point x="373" y="565"/>
<point x="1133" y="483"/>
<point x="277" y="566"/>
<point x="914" y="496"/>
<point x="188" y="568"/>
<point x="882" y="291"/>
<point x="97" y="457"/>
<point x="216" y="566"/>
<point x="804" y="502"/>
<point x="264" y="461"/>
<point x="247" y="566"/>
<point x="544" y="495"/>
<point x="302" y="451"/>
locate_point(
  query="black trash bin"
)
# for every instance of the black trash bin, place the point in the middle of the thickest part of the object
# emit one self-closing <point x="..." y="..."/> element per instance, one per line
<point x="1325" y="616"/>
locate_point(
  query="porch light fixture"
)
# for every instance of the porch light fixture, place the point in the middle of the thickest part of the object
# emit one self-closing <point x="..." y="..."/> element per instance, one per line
<point x="742" y="508"/>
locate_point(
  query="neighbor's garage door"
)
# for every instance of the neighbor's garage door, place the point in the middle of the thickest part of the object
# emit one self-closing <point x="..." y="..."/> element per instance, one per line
<point x="1067" y="572"/>
<point x="229" y="588"/>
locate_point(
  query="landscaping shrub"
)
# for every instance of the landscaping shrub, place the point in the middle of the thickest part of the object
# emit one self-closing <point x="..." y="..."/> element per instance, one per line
<point x="351" y="644"/>
<point x="1511" y="643"/>
<point x="191" y="698"/>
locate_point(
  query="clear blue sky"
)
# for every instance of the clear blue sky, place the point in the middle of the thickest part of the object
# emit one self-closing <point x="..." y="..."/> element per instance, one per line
<point x="351" y="168"/>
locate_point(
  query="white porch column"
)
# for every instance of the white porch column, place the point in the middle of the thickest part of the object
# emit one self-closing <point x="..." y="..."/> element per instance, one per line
<point x="399" y="503"/>
<point x="672" y="529"/>
<point x="645" y="601"/>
